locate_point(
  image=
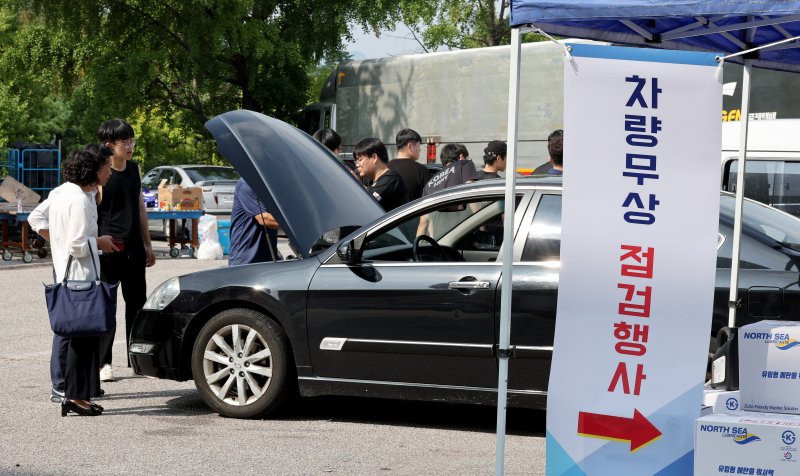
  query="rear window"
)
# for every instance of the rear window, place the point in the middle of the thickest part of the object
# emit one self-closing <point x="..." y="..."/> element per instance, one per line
<point x="204" y="174"/>
<point x="774" y="182"/>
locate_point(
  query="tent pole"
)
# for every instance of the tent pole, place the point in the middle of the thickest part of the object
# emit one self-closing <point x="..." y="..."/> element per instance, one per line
<point x="740" y="168"/>
<point x="508" y="250"/>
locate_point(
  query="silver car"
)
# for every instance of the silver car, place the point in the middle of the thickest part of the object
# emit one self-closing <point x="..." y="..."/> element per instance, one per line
<point x="217" y="182"/>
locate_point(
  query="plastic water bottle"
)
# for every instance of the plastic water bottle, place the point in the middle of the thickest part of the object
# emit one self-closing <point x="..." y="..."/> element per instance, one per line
<point x="725" y="363"/>
<point x="19" y="206"/>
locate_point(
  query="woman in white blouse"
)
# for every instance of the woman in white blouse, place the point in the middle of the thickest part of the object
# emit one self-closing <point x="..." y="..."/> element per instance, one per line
<point x="70" y="216"/>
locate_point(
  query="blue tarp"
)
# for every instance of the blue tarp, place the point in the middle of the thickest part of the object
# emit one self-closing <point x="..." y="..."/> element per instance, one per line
<point x="717" y="25"/>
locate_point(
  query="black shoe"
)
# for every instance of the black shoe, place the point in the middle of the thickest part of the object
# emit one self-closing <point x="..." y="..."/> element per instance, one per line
<point x="70" y="406"/>
<point x="56" y="396"/>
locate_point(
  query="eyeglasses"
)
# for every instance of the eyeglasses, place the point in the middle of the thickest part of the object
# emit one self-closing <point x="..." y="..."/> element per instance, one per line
<point x="128" y="143"/>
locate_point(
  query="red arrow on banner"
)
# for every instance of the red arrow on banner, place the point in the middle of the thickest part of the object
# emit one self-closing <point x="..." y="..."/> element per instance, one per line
<point x="638" y="430"/>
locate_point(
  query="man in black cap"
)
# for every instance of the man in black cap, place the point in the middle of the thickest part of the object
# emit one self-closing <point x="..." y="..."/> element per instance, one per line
<point x="494" y="160"/>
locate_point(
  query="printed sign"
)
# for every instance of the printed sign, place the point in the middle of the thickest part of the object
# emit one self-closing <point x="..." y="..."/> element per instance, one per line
<point x="638" y="259"/>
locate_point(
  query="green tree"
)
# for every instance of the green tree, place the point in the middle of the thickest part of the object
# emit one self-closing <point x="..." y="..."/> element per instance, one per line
<point x="202" y="57"/>
<point x="29" y="111"/>
<point x="460" y="24"/>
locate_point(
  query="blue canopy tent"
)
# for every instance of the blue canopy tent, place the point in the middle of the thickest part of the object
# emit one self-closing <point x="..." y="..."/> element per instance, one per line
<point x="760" y="33"/>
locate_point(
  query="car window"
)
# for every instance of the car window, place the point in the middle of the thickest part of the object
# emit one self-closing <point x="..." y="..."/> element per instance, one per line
<point x="149" y="181"/>
<point x="544" y="237"/>
<point x="774" y="182"/>
<point x="770" y="239"/>
<point x="466" y="230"/>
<point x="204" y="174"/>
<point x="165" y="174"/>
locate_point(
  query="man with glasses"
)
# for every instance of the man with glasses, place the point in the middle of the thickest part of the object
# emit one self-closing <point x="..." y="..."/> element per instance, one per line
<point x="121" y="214"/>
<point x="385" y="185"/>
<point x="414" y="174"/>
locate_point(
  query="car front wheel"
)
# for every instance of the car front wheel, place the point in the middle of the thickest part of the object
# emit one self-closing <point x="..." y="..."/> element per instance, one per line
<point x="240" y="364"/>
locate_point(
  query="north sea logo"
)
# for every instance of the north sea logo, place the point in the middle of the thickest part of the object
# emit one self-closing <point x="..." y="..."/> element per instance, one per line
<point x="745" y="439"/>
<point x="787" y="344"/>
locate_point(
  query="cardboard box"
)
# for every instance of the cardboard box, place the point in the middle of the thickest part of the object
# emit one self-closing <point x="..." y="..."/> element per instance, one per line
<point x="721" y="401"/>
<point x="747" y="443"/>
<point x="13" y="191"/>
<point x="175" y="197"/>
<point x="769" y="367"/>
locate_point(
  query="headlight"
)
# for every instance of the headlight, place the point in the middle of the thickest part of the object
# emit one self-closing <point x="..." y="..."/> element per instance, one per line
<point x="163" y="295"/>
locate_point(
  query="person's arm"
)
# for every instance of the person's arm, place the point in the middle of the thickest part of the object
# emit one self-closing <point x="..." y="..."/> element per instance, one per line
<point x="267" y="220"/>
<point x="39" y="219"/>
<point x="148" y="246"/>
<point x="422" y="228"/>
<point x="76" y="233"/>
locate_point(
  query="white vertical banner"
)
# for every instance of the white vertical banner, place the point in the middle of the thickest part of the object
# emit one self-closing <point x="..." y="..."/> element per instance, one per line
<point x="638" y="260"/>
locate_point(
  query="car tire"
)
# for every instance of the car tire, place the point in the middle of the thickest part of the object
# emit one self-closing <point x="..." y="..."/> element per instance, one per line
<point x="241" y="365"/>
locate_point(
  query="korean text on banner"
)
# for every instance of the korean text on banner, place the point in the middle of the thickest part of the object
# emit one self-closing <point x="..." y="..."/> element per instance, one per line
<point x="638" y="258"/>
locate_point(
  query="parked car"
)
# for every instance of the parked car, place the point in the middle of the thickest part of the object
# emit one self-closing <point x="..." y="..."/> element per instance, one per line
<point x="217" y="182"/>
<point x="383" y="313"/>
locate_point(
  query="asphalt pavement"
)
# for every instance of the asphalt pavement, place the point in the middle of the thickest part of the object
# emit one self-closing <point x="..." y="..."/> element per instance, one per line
<point x="162" y="427"/>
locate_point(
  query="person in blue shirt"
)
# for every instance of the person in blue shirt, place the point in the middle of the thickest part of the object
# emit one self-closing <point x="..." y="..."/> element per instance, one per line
<point x="254" y="232"/>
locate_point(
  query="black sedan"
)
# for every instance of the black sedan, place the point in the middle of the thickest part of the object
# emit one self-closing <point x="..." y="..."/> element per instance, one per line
<point x="390" y="310"/>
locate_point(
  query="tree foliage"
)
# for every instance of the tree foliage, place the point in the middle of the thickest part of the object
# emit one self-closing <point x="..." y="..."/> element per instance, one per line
<point x="460" y="24"/>
<point x="177" y="63"/>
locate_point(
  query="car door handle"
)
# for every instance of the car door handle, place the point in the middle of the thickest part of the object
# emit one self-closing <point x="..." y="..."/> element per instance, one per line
<point x="469" y="285"/>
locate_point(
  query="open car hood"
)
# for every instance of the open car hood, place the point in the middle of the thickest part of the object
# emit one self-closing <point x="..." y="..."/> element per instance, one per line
<point x="308" y="190"/>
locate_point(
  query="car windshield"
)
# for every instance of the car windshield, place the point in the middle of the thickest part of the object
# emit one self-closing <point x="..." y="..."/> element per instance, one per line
<point x="768" y="236"/>
<point x="205" y="174"/>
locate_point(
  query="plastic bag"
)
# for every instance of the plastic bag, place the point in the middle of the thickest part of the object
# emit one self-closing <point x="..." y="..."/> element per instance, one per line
<point x="207" y="229"/>
<point x="209" y="250"/>
<point x="209" y="239"/>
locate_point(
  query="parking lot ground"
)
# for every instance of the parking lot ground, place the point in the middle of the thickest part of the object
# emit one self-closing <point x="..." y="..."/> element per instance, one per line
<point x="162" y="427"/>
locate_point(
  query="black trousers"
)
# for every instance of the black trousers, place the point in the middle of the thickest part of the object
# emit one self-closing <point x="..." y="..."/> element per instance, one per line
<point x="82" y="369"/>
<point x="128" y="270"/>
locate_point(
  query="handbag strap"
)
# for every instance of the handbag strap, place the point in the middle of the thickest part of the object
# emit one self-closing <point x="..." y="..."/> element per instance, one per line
<point x="69" y="263"/>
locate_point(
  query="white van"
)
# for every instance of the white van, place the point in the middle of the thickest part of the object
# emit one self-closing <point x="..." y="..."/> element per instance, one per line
<point x="772" y="172"/>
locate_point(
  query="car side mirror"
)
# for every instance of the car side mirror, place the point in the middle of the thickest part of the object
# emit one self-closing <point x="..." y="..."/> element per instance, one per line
<point x="350" y="251"/>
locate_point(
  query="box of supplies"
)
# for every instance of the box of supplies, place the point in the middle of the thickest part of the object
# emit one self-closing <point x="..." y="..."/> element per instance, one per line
<point x="769" y="367"/>
<point x="175" y="197"/>
<point x="13" y="191"/>
<point x="747" y="443"/>
<point x="721" y="401"/>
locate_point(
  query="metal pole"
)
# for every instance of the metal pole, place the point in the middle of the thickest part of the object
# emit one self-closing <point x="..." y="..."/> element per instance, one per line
<point x="508" y="250"/>
<point x="737" y="217"/>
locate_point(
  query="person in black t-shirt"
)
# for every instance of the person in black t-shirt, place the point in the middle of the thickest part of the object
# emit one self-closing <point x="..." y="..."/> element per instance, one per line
<point x="458" y="169"/>
<point x="414" y="174"/>
<point x="385" y="185"/>
<point x="494" y="160"/>
<point x="121" y="214"/>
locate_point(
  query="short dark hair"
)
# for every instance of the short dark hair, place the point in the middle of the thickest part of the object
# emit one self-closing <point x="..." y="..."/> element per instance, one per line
<point x="82" y="166"/>
<point x="329" y="138"/>
<point x="451" y="152"/>
<point x="100" y="150"/>
<point x="555" y="146"/>
<point x="405" y="136"/>
<point x="371" y="146"/>
<point x="115" y="129"/>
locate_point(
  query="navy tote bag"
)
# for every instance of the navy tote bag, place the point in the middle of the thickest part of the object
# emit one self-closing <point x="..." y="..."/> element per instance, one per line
<point x="81" y="308"/>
